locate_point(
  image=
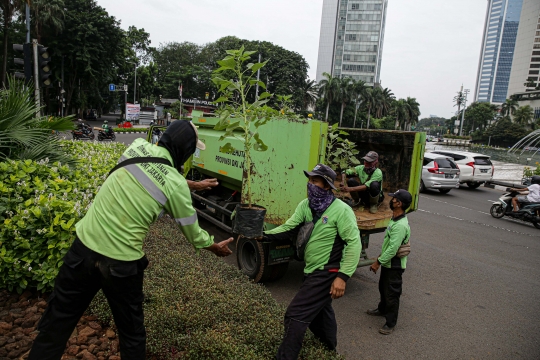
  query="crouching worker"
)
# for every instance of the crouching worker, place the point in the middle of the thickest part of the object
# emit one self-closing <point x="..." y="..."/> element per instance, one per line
<point x="331" y="255"/>
<point x="366" y="188"/>
<point x="108" y="252"/>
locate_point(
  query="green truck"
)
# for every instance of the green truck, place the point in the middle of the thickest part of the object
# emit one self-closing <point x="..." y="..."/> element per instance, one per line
<point x="279" y="184"/>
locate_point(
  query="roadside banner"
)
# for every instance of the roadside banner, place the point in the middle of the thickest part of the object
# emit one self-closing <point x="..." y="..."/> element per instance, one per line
<point x="133" y="112"/>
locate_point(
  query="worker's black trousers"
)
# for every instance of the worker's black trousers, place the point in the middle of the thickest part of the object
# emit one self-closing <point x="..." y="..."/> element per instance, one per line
<point x="390" y="284"/>
<point x="81" y="276"/>
<point x="373" y="191"/>
<point x="311" y="307"/>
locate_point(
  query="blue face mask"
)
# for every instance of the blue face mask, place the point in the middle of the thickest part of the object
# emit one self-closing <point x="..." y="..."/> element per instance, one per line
<point x="319" y="198"/>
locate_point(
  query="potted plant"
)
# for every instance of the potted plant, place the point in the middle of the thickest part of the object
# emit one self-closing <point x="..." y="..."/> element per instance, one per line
<point x="241" y="118"/>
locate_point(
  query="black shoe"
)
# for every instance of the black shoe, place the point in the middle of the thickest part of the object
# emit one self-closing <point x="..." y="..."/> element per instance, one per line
<point x="374" y="312"/>
<point x="385" y="330"/>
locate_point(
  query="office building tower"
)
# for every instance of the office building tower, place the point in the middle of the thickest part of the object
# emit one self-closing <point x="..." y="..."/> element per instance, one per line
<point x="351" y="41"/>
<point x="526" y="64"/>
<point x="500" y="32"/>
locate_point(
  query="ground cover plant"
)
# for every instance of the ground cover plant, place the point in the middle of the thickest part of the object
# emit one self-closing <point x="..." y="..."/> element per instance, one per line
<point x="199" y="307"/>
<point x="40" y="203"/>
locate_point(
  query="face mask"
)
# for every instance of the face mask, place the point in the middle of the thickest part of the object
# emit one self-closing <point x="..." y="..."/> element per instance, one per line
<point x="319" y="198"/>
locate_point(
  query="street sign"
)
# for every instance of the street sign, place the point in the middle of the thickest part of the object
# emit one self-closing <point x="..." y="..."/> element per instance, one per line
<point x="125" y="87"/>
<point x="112" y="87"/>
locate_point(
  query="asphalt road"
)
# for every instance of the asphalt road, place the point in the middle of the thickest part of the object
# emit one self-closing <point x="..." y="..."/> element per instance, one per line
<point x="471" y="289"/>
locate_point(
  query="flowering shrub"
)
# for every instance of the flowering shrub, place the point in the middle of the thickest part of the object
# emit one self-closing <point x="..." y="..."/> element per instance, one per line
<point x="40" y="203"/>
<point x="528" y="172"/>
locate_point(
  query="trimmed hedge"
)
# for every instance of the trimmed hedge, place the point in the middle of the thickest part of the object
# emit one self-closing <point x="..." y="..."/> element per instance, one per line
<point x="40" y="203"/>
<point x="199" y="307"/>
<point x="130" y="130"/>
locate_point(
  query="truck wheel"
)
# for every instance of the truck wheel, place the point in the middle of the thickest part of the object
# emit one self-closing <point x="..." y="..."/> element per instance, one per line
<point x="252" y="261"/>
<point x="497" y="211"/>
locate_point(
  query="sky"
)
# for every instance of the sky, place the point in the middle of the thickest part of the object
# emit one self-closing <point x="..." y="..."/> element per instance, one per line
<point x="431" y="47"/>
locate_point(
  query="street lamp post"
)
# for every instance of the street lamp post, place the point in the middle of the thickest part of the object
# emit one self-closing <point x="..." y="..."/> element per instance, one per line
<point x="465" y="92"/>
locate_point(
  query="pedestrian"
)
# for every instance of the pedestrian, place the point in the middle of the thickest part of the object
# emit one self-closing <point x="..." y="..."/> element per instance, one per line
<point x="366" y="187"/>
<point x="331" y="255"/>
<point x="107" y="252"/>
<point x="392" y="266"/>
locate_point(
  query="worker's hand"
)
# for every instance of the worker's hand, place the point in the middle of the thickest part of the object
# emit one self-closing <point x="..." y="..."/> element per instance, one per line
<point x="344" y="188"/>
<point x="206" y="184"/>
<point x="221" y="249"/>
<point x="374" y="267"/>
<point x="338" y="288"/>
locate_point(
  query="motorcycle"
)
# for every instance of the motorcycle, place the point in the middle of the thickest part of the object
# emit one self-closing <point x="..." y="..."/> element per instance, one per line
<point x="107" y="134"/>
<point x="83" y="132"/>
<point x="529" y="212"/>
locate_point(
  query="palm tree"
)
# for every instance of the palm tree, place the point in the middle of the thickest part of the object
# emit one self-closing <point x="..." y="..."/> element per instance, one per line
<point x="47" y="12"/>
<point x="309" y="93"/>
<point x="524" y="115"/>
<point x="413" y="112"/>
<point x="400" y="109"/>
<point x="328" y="89"/>
<point x="386" y="99"/>
<point x="359" y="89"/>
<point x="344" y="94"/>
<point x="509" y="107"/>
<point x="368" y="103"/>
<point x="9" y="8"/>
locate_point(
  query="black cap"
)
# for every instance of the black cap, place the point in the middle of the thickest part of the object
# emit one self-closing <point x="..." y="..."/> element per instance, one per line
<point x="402" y="195"/>
<point x="371" y="156"/>
<point x="325" y="172"/>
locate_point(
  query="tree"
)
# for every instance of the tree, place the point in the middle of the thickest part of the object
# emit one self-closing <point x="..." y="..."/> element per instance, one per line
<point x="359" y="89"/>
<point x="509" y="107"/>
<point x="479" y="114"/>
<point x="309" y="91"/>
<point x="369" y="103"/>
<point x="328" y="90"/>
<point x="400" y="109"/>
<point x="344" y="94"/>
<point x="413" y="112"/>
<point x="505" y="132"/>
<point x="47" y="13"/>
<point x="524" y="115"/>
<point x="9" y="8"/>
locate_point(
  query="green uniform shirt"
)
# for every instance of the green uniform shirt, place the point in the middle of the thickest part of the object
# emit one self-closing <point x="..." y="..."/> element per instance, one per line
<point x="339" y="219"/>
<point x="131" y="199"/>
<point x="398" y="232"/>
<point x="363" y="176"/>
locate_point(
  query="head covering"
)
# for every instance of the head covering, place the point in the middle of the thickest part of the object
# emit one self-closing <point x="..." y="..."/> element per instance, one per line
<point x="402" y="195"/>
<point x="181" y="140"/>
<point x="371" y="156"/>
<point x="323" y="171"/>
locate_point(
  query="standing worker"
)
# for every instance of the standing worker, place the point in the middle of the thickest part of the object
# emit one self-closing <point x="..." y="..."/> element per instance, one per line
<point x="366" y="189"/>
<point x="331" y="254"/>
<point x="107" y="253"/>
<point x="390" y="282"/>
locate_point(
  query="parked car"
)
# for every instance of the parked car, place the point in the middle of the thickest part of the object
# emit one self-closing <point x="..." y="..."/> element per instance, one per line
<point x="530" y="148"/>
<point x="475" y="169"/>
<point x="439" y="173"/>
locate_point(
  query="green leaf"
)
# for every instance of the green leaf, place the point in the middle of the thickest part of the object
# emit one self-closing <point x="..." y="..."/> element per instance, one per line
<point x="227" y="148"/>
<point x="227" y="64"/>
<point x="257" y="66"/>
<point x="259" y="145"/>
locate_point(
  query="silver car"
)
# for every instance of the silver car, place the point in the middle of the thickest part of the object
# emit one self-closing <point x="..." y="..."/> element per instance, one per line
<point x="439" y="173"/>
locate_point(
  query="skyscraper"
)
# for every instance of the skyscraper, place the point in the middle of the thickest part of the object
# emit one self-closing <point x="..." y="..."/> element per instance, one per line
<point x="351" y="41"/>
<point x="500" y="32"/>
<point x="526" y="63"/>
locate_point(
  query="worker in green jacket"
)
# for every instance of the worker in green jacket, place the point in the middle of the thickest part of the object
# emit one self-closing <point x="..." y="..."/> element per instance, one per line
<point x="390" y="281"/>
<point x="107" y="252"/>
<point x="366" y="185"/>
<point x="331" y="257"/>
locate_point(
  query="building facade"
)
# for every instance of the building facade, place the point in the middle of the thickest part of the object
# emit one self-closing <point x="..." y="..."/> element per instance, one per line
<point x="351" y="41"/>
<point x="497" y="53"/>
<point x="526" y="64"/>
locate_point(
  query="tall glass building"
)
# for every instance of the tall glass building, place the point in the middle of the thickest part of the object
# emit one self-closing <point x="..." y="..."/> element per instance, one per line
<point x="351" y="41"/>
<point x="498" y="43"/>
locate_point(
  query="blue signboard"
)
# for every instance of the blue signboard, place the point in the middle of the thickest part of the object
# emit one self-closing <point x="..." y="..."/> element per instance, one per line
<point x="112" y="87"/>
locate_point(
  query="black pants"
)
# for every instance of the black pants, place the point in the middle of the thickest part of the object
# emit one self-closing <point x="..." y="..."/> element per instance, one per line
<point x="311" y="307"/>
<point x="373" y="190"/>
<point x="390" y="284"/>
<point x="83" y="273"/>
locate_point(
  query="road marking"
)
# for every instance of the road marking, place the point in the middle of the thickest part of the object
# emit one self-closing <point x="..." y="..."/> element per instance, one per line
<point x="478" y="223"/>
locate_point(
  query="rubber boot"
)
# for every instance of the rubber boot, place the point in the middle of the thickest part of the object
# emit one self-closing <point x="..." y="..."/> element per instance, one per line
<point x="373" y="204"/>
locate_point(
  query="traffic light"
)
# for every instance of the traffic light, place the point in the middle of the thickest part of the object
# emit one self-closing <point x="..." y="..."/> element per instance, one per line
<point x="26" y="61"/>
<point x="44" y="69"/>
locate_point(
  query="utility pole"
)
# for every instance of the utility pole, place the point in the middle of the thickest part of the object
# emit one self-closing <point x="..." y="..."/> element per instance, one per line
<point x="36" y="77"/>
<point x="135" y="86"/>
<point x="466" y="92"/>
<point x="27" y="22"/>
<point x="62" y="91"/>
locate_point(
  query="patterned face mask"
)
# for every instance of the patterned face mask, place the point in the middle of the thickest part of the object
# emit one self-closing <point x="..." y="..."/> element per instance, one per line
<point x="319" y="198"/>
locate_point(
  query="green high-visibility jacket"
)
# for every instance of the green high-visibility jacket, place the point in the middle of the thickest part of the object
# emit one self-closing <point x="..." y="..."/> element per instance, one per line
<point x="334" y="242"/>
<point x="134" y="197"/>
<point x="397" y="233"/>
<point x="363" y="176"/>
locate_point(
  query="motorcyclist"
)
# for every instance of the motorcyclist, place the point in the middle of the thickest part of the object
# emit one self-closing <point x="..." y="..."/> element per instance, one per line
<point x="532" y="197"/>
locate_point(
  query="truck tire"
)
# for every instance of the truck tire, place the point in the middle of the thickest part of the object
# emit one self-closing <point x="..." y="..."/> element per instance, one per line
<point x="252" y="261"/>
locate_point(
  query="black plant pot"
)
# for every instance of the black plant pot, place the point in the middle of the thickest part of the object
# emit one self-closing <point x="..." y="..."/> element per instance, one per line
<point x="249" y="222"/>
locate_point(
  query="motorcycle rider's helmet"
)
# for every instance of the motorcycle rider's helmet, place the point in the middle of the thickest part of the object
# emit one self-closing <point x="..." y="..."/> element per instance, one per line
<point x="535" y="179"/>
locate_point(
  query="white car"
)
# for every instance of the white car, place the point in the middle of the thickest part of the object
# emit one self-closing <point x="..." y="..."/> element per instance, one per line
<point x="439" y="172"/>
<point x="475" y="169"/>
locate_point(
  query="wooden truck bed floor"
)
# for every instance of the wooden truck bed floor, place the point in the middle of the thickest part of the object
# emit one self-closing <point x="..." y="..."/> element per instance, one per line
<point x="367" y="220"/>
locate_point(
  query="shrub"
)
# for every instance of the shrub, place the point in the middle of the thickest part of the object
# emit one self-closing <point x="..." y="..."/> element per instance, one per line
<point x="40" y="202"/>
<point x="202" y="308"/>
<point x="129" y="130"/>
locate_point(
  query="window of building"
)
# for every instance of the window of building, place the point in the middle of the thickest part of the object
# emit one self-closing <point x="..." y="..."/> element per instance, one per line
<point x="535" y="66"/>
<point x="355" y="6"/>
<point x="350" y="37"/>
<point x="535" y="59"/>
<point x="536" y="46"/>
<point x="537" y="40"/>
<point x="534" y="72"/>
